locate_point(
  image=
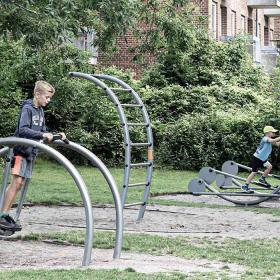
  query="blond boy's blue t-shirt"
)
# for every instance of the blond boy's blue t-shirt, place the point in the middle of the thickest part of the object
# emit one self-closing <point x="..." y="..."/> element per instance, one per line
<point x="264" y="149"/>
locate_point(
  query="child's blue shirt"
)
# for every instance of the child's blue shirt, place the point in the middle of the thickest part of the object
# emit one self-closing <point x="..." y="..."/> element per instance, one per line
<point x="264" y="149"/>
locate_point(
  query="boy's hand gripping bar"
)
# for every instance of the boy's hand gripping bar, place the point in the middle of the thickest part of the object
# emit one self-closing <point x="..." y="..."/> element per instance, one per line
<point x="59" y="137"/>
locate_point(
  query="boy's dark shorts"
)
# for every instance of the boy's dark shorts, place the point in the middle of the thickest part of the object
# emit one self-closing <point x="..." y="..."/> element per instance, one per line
<point x="257" y="163"/>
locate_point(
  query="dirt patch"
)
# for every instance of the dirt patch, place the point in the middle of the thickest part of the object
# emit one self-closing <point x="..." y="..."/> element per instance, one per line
<point x="161" y="220"/>
<point x="42" y="255"/>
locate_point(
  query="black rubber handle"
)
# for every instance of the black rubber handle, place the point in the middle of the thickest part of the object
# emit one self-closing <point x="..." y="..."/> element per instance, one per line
<point x="59" y="137"/>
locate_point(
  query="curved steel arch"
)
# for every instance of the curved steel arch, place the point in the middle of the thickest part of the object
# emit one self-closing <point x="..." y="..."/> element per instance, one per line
<point x="12" y="141"/>
<point x="127" y="143"/>
<point x="95" y="161"/>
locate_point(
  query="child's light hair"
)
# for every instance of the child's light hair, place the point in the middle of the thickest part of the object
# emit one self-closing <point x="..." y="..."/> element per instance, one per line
<point x="43" y="86"/>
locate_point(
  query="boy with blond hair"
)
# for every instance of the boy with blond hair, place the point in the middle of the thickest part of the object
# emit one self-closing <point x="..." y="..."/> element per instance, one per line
<point x="31" y="125"/>
<point x="260" y="157"/>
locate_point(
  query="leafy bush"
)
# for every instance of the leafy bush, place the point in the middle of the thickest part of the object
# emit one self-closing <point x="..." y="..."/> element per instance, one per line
<point x="209" y="140"/>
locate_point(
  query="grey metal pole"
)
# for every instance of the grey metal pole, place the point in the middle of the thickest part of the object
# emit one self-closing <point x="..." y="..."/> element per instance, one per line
<point x="260" y="172"/>
<point x="233" y="176"/>
<point x="123" y="120"/>
<point x="5" y="176"/>
<point x="4" y="151"/>
<point x="149" y="138"/>
<point x="21" y="199"/>
<point x="95" y="161"/>
<point x="12" y="141"/>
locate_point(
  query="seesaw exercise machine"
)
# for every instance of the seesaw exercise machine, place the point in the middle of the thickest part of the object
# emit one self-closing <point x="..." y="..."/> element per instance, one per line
<point x="134" y="103"/>
<point x="228" y="185"/>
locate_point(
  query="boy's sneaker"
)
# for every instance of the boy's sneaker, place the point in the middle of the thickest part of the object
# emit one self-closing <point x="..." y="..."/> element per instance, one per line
<point x="263" y="181"/>
<point x="8" y="223"/>
<point x="246" y="189"/>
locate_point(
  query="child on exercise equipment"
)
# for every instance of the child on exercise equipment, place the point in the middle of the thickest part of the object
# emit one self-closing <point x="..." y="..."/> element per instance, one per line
<point x="260" y="157"/>
<point x="31" y="125"/>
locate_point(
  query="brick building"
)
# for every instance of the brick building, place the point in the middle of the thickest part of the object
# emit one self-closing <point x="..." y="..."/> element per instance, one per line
<point x="258" y="20"/>
<point x="255" y="19"/>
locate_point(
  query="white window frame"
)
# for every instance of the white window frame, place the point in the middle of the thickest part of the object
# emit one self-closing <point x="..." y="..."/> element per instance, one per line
<point x="243" y="24"/>
<point x="214" y="10"/>
<point x="233" y="23"/>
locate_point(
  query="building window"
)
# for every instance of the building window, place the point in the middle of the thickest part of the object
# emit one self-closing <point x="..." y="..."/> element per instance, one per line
<point x="214" y="20"/>
<point x="250" y="26"/>
<point x="86" y="42"/>
<point x="266" y="36"/>
<point x="224" y="21"/>
<point x="271" y="37"/>
<point x="243" y="25"/>
<point x="233" y="23"/>
<point x="259" y="30"/>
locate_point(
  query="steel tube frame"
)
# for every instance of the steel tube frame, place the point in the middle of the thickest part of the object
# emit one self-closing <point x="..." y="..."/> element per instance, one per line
<point x="149" y="135"/>
<point x="12" y="141"/>
<point x="5" y="176"/>
<point x="95" y="161"/>
<point x="261" y="198"/>
<point x="260" y="172"/>
<point x="234" y="176"/>
<point x="123" y="120"/>
<point x="122" y="117"/>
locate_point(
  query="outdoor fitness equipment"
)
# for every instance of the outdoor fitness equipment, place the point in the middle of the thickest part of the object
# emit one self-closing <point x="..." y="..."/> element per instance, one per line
<point x="12" y="141"/>
<point x="227" y="180"/>
<point x="95" y="161"/>
<point x="135" y="103"/>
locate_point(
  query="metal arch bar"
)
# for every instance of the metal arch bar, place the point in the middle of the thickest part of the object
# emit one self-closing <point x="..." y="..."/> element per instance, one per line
<point x="149" y="135"/>
<point x="4" y="151"/>
<point x="95" y="161"/>
<point x="5" y="176"/>
<point x="239" y="202"/>
<point x="122" y="117"/>
<point x="12" y="141"/>
<point x="235" y="194"/>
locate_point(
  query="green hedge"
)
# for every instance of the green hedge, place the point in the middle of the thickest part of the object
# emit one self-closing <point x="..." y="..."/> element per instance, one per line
<point x="208" y="125"/>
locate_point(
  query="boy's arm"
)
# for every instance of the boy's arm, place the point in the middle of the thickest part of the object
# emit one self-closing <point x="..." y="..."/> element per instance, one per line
<point x="273" y="140"/>
<point x="24" y="129"/>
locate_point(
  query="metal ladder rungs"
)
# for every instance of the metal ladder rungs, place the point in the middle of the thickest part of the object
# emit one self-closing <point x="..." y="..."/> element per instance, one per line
<point x="138" y="184"/>
<point x="138" y="124"/>
<point x="121" y="89"/>
<point x="140" y="144"/>
<point x="140" y="164"/>
<point x="134" y="204"/>
<point x="131" y="105"/>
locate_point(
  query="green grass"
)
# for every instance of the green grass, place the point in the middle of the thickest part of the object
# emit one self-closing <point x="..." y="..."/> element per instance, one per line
<point x="259" y="257"/>
<point x="88" y="274"/>
<point x="113" y="274"/>
<point x="51" y="184"/>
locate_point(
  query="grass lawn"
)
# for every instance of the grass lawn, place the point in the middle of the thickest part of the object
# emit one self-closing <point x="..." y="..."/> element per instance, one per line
<point x="51" y="184"/>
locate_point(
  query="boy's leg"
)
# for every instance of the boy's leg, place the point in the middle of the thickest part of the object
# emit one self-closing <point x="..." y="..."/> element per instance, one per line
<point x="6" y="221"/>
<point x="250" y="177"/>
<point x="268" y="169"/>
<point x="265" y="174"/>
<point x="11" y="193"/>
<point x="19" y="169"/>
<point x="245" y="187"/>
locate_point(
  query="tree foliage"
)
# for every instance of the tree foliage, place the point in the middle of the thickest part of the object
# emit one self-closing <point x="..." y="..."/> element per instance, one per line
<point x="45" y="22"/>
